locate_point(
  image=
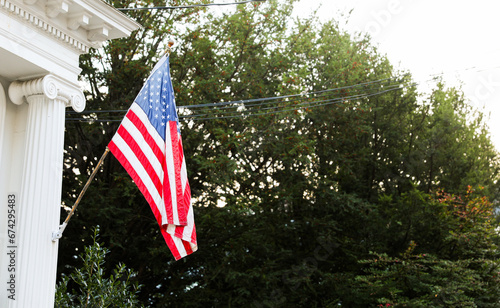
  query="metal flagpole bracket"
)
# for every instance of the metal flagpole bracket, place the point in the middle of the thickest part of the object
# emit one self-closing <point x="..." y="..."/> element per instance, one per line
<point x="58" y="234"/>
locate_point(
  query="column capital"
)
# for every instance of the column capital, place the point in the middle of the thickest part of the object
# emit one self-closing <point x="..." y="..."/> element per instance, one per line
<point x="52" y="87"/>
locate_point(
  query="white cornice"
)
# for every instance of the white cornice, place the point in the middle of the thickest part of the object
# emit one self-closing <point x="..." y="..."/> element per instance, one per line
<point x="44" y="25"/>
<point x="80" y="24"/>
<point x="120" y="22"/>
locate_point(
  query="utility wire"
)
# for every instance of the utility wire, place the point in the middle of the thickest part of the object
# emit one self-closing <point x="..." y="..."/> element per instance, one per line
<point x="282" y="103"/>
<point x="266" y="101"/>
<point x="306" y="105"/>
<point x="330" y="102"/>
<point x="291" y="105"/>
<point x="310" y="103"/>
<point x="278" y="99"/>
<point x="284" y="96"/>
<point x="185" y="6"/>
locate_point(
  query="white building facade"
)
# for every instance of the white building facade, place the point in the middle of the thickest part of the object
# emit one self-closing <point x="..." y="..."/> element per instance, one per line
<point x="40" y="43"/>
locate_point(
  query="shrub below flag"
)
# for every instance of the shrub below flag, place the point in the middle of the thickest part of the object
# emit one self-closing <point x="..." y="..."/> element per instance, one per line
<point x="148" y="144"/>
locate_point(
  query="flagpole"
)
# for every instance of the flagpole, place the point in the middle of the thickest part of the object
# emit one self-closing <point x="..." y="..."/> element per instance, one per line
<point x="58" y="234"/>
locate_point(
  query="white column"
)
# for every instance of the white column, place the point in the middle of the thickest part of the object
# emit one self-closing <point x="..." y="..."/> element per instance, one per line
<point x="40" y="197"/>
<point x="3" y="102"/>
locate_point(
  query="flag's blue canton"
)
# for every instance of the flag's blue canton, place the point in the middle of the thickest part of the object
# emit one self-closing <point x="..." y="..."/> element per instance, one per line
<point x="157" y="97"/>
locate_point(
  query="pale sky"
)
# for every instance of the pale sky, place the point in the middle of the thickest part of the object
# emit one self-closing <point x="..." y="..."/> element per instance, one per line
<point x="458" y="38"/>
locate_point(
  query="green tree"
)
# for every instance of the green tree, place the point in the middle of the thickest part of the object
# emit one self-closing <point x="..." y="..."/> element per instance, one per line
<point x="456" y="146"/>
<point x="289" y="193"/>
<point x="93" y="288"/>
<point x="451" y="259"/>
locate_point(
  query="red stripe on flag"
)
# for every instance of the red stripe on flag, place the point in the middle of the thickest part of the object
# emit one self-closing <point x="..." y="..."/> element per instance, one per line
<point x="147" y="136"/>
<point x="141" y="157"/>
<point x="178" y="155"/>
<point x="185" y="199"/>
<point x="187" y="247"/>
<point x="135" y="177"/>
<point x="167" y="196"/>
<point x="170" y="243"/>
<point x="187" y="195"/>
<point x="193" y="236"/>
<point x="179" y="231"/>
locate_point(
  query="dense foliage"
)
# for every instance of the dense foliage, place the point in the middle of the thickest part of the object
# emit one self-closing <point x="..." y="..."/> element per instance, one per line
<point x="351" y="190"/>
<point x="88" y="286"/>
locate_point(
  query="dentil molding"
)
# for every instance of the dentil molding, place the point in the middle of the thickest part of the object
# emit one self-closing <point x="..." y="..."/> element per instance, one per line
<point x="52" y="87"/>
<point x="79" y="23"/>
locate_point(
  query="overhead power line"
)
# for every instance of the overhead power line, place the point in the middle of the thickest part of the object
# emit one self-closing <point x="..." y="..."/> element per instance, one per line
<point x="307" y="105"/>
<point x="285" y="96"/>
<point x="262" y="99"/>
<point x="269" y="105"/>
<point x="300" y="101"/>
<point x="184" y="6"/>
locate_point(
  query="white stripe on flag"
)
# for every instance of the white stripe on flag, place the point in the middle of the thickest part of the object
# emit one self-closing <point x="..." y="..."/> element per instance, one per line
<point x="188" y="229"/>
<point x="183" y="175"/>
<point x="152" y="131"/>
<point x="148" y="152"/>
<point x="141" y="172"/>
<point x="180" y="246"/>
<point x="170" y="165"/>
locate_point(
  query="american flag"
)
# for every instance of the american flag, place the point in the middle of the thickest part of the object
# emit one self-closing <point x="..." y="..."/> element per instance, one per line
<point x="148" y="144"/>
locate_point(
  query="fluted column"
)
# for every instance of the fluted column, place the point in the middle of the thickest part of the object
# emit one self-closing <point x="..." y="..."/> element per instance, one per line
<point x="40" y="197"/>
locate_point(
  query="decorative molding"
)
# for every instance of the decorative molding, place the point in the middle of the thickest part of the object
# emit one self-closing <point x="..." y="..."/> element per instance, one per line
<point x="99" y="21"/>
<point x="99" y="34"/>
<point x="50" y="86"/>
<point x="105" y="13"/>
<point x="76" y="21"/>
<point x="44" y="25"/>
<point x="54" y="7"/>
